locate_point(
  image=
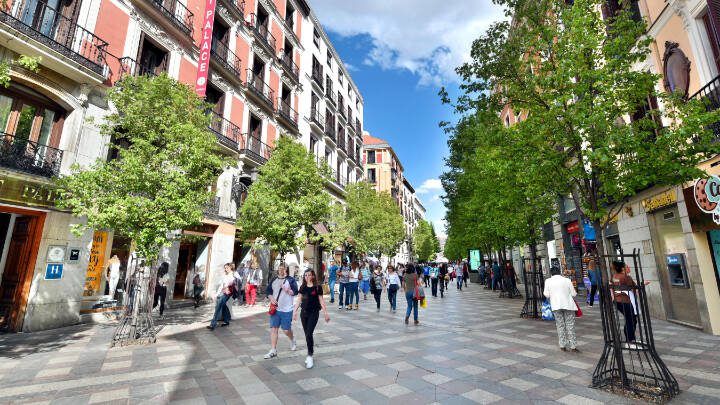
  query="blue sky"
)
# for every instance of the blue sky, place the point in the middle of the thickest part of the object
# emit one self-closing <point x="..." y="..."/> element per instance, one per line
<point x="400" y="53"/>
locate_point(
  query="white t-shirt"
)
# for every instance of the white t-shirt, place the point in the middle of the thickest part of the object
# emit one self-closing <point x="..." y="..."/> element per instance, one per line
<point x="354" y="276"/>
<point x="285" y="302"/>
<point x="393" y="278"/>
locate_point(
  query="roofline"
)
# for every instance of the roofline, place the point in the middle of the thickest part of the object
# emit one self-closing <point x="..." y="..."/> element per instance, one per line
<point x="304" y="6"/>
<point x="408" y="185"/>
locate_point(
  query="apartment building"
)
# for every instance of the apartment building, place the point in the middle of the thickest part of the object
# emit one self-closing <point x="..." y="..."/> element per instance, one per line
<point x="260" y="82"/>
<point x="384" y="170"/>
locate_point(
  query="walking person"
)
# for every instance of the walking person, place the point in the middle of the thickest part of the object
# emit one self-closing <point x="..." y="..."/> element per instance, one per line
<point x="411" y="282"/>
<point x="377" y="284"/>
<point x="625" y="300"/>
<point x="331" y="277"/>
<point x="465" y="273"/>
<point x="393" y="285"/>
<point x="365" y="273"/>
<point x="560" y="291"/>
<point x="594" y="276"/>
<point x="198" y="287"/>
<point x="459" y="276"/>
<point x="252" y="280"/>
<point x="352" y="287"/>
<point x="434" y="271"/>
<point x="444" y="277"/>
<point x="495" y="275"/>
<point x="161" y="283"/>
<point x="343" y="280"/>
<point x="240" y="275"/>
<point x="310" y="302"/>
<point x="281" y="291"/>
<point x="426" y="274"/>
<point x="224" y="292"/>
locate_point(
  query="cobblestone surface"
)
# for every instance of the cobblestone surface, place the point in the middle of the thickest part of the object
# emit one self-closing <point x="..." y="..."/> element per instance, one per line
<point x="471" y="347"/>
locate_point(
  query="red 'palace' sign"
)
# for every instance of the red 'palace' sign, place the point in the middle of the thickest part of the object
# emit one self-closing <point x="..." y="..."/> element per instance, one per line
<point x="205" y="46"/>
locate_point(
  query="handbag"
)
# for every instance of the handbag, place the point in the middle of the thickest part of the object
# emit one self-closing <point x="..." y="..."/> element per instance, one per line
<point x="273" y="306"/>
<point x="578" y="312"/>
<point x="546" y="310"/>
<point x="423" y="302"/>
<point x="326" y="289"/>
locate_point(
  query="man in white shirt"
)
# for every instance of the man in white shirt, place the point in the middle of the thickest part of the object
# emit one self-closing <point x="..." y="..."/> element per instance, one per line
<point x="560" y="291"/>
<point x="281" y="291"/>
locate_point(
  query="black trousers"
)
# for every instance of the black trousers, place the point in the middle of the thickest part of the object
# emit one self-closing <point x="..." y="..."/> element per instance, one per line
<point x="426" y="280"/>
<point x="309" y="320"/>
<point x="377" y="294"/>
<point x="593" y="291"/>
<point x="160" y="293"/>
<point x="630" y="319"/>
<point x="434" y="284"/>
<point x="465" y="278"/>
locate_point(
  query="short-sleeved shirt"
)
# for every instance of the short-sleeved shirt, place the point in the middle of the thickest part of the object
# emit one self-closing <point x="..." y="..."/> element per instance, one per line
<point x="310" y="298"/>
<point x="410" y="280"/>
<point x="365" y="273"/>
<point x="434" y="272"/>
<point x="332" y="272"/>
<point x="344" y="275"/>
<point x="285" y="301"/>
<point x="393" y="278"/>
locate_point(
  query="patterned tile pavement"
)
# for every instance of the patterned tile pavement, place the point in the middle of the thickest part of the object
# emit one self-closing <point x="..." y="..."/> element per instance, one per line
<point x="471" y="347"/>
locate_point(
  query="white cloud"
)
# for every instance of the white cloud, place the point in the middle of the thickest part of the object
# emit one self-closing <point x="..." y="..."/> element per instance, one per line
<point x="426" y="37"/>
<point x="429" y="185"/>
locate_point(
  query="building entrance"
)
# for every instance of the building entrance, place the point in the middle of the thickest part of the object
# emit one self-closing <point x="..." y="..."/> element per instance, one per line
<point x="20" y="233"/>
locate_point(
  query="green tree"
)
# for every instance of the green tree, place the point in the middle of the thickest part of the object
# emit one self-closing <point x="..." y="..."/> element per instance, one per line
<point x="424" y="241"/>
<point x="286" y="200"/>
<point x="158" y="184"/>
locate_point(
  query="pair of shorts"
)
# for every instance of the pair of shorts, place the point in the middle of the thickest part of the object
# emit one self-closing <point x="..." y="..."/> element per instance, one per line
<point x="281" y="320"/>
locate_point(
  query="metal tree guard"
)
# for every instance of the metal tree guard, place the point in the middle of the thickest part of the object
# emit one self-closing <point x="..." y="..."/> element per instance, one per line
<point x="136" y="325"/>
<point x="509" y="288"/>
<point x="534" y="286"/>
<point x="631" y="368"/>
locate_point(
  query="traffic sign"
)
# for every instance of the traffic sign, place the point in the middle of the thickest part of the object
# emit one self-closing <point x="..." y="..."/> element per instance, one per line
<point x="54" y="271"/>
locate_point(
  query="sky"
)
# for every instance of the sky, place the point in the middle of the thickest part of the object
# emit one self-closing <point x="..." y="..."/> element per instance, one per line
<point x="400" y="53"/>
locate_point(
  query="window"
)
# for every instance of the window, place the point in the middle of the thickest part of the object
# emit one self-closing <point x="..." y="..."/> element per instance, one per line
<point x="329" y="59"/>
<point x="340" y="78"/>
<point x="371" y="176"/>
<point x="317" y="71"/>
<point x="371" y="156"/>
<point x="152" y="59"/>
<point x="713" y="37"/>
<point x="316" y="38"/>
<point x="289" y="15"/>
<point x="30" y="117"/>
<point x="314" y="103"/>
<point x="328" y="85"/>
<point x="255" y="127"/>
<point x="313" y="145"/>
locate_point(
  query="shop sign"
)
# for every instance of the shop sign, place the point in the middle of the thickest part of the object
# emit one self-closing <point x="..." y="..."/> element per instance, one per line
<point x="707" y="196"/>
<point x="53" y="271"/>
<point x="25" y="192"/>
<point x="660" y="201"/>
<point x="96" y="264"/>
<point x="572" y="227"/>
<point x="205" y="47"/>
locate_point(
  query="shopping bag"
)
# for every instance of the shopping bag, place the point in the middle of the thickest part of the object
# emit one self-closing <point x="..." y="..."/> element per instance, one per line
<point x="547" y="314"/>
<point x="578" y="312"/>
<point x="326" y="289"/>
<point x="423" y="302"/>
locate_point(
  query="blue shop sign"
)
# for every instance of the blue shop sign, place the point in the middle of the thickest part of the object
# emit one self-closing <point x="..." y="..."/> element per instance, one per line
<point x="588" y="230"/>
<point x="53" y="271"/>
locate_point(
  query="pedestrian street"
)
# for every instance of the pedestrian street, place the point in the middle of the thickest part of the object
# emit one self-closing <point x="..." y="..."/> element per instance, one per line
<point x="470" y="347"/>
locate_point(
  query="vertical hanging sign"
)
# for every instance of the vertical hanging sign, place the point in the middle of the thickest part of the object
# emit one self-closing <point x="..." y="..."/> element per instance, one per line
<point x="205" y="47"/>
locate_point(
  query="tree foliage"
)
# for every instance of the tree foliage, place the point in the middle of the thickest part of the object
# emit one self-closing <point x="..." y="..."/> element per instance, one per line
<point x="592" y="130"/>
<point x="286" y="200"/>
<point x="424" y="242"/>
<point x="159" y="183"/>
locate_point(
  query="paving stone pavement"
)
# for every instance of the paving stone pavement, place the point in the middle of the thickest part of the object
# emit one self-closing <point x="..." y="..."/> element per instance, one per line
<point x="471" y="347"/>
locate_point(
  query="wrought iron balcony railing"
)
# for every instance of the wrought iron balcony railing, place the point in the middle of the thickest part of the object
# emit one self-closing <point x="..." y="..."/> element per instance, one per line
<point x="341" y="139"/>
<point x="227" y="133"/>
<point x="317" y="118"/>
<point x="29" y="156"/>
<point x="237" y="5"/>
<point x="49" y="26"/>
<point x="358" y="127"/>
<point x="257" y="85"/>
<point x="331" y="96"/>
<point x="226" y="58"/>
<point x="261" y="32"/>
<point x="710" y="93"/>
<point x="251" y="145"/>
<point x="128" y="66"/>
<point x="177" y="13"/>
<point x="317" y="76"/>
<point x="341" y="108"/>
<point x="330" y="129"/>
<point x="288" y="112"/>
<point x="286" y="61"/>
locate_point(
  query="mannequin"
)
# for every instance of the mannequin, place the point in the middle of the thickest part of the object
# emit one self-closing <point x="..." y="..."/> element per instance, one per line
<point x="113" y="273"/>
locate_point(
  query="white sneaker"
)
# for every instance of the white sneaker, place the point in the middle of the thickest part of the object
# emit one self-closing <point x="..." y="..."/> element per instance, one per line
<point x="340" y="307"/>
<point x="272" y="353"/>
<point x="293" y="347"/>
<point x="309" y="362"/>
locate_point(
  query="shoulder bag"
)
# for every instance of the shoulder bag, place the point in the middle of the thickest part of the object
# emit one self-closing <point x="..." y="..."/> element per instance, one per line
<point x="273" y="306"/>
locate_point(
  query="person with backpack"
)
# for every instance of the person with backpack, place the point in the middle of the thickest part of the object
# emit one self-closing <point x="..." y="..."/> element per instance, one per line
<point x="434" y="271"/>
<point x="444" y="277"/>
<point x="225" y="291"/>
<point x="411" y="282"/>
<point x="426" y="274"/>
<point x="161" y="283"/>
<point x="252" y="280"/>
<point x="310" y="302"/>
<point x="393" y="285"/>
<point x="377" y="284"/>
<point x="343" y="281"/>
<point x="281" y="292"/>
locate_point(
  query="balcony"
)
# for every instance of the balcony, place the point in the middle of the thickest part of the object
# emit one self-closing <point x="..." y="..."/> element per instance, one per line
<point x="337" y="178"/>
<point x="128" y="66"/>
<point x="341" y="139"/>
<point x="331" y="97"/>
<point x="177" y="13"/>
<point x="330" y="129"/>
<point x="286" y="61"/>
<point x="28" y="156"/>
<point x="227" y="133"/>
<point x="262" y="33"/>
<point x="226" y="59"/>
<point x="236" y="7"/>
<point x="257" y="86"/>
<point x="358" y="127"/>
<point x="317" y="76"/>
<point x="317" y="118"/>
<point x="216" y="210"/>
<point x="254" y="148"/>
<point x="288" y="113"/>
<point x="48" y="26"/>
<point x="710" y="93"/>
<point x="341" y="109"/>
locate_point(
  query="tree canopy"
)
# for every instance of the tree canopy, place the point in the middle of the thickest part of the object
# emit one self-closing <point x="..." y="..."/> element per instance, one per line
<point x="159" y="183"/>
<point x="424" y="242"/>
<point x="286" y="200"/>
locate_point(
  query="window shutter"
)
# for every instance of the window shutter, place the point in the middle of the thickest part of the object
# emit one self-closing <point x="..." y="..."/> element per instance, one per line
<point x="714" y="14"/>
<point x="378" y="157"/>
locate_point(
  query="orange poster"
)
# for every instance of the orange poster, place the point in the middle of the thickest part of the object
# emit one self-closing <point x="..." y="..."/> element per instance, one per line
<point x="95" y="264"/>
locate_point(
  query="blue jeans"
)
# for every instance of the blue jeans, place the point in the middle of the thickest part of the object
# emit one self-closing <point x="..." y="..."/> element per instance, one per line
<point x="412" y="305"/>
<point x="332" y="289"/>
<point x="221" y="309"/>
<point x="365" y="285"/>
<point x="343" y="291"/>
<point x="392" y="296"/>
<point x="351" y="291"/>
